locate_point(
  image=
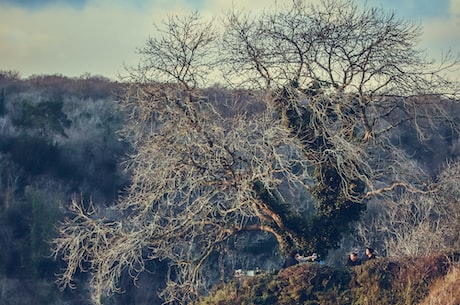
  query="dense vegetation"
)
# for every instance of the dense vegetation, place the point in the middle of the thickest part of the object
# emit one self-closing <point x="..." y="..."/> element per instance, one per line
<point x="331" y="131"/>
<point x="59" y="142"/>
<point x="378" y="282"/>
<point x="345" y="102"/>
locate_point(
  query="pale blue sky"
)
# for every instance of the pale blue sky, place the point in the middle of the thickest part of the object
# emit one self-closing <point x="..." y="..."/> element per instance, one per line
<point x="72" y="37"/>
<point x="416" y="8"/>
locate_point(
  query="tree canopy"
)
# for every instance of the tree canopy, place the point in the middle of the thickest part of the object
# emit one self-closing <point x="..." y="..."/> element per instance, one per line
<point x="316" y="95"/>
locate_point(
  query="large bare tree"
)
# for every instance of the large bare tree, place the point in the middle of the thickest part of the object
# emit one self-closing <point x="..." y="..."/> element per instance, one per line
<point x="351" y="79"/>
<point x="320" y="93"/>
<point x="416" y="224"/>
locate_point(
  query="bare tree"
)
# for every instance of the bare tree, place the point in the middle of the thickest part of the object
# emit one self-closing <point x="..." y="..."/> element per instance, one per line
<point x="193" y="183"/>
<point x="333" y="82"/>
<point x="331" y="45"/>
<point x="418" y="224"/>
<point x="185" y="53"/>
<point x="345" y="80"/>
<point x="193" y="186"/>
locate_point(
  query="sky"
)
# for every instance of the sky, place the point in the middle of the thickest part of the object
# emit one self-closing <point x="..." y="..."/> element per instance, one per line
<point x="100" y="37"/>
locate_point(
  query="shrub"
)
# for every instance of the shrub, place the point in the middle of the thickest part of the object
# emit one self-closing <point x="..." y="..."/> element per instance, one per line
<point x="372" y="282"/>
<point x="378" y="282"/>
<point x="417" y="274"/>
<point x="315" y="284"/>
<point x="305" y="284"/>
<point x="445" y="290"/>
<point x="400" y="282"/>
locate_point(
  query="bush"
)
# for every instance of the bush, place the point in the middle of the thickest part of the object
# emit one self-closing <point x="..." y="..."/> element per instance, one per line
<point x="399" y="282"/>
<point x="378" y="282"/>
<point x="305" y="284"/>
<point x="445" y="290"/>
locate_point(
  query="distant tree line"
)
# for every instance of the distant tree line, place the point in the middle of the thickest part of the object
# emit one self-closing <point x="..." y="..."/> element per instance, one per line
<point x="58" y="141"/>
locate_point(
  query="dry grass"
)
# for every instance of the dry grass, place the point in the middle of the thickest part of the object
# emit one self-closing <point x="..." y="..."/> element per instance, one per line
<point x="446" y="290"/>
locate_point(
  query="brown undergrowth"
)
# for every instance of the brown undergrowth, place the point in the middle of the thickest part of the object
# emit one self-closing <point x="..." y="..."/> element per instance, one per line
<point x="384" y="281"/>
<point x="446" y="290"/>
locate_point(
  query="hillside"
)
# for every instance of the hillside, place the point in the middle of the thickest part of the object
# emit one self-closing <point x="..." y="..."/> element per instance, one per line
<point x="59" y="141"/>
<point x="382" y="281"/>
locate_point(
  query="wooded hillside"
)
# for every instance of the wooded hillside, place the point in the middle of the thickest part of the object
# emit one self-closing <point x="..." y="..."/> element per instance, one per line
<point x="59" y="141"/>
<point x="310" y="128"/>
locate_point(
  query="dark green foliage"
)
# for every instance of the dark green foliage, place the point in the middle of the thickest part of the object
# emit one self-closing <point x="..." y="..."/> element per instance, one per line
<point x="44" y="117"/>
<point x="15" y="231"/>
<point x="29" y="223"/>
<point x="35" y="155"/>
<point x="334" y="212"/>
<point x="44" y="213"/>
<point x="325" y="229"/>
<point x="2" y="102"/>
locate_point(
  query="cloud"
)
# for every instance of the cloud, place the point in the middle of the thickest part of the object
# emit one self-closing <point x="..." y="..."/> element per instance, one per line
<point x="439" y="19"/>
<point x="98" y="38"/>
<point x="72" y="37"/>
<point x="413" y="9"/>
<point x="443" y="33"/>
<point x="79" y="36"/>
<point x="254" y="6"/>
<point x="41" y="4"/>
